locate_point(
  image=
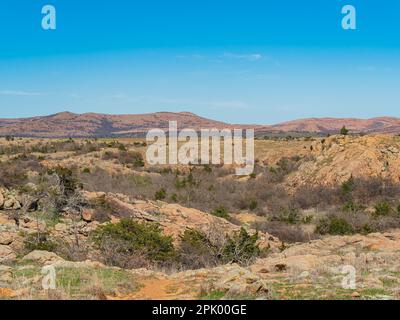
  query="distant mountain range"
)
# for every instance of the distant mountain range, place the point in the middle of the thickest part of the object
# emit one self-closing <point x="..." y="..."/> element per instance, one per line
<point x="389" y="125"/>
<point x="67" y="124"/>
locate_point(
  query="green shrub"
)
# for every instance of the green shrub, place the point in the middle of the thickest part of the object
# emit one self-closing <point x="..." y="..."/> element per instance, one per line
<point x="334" y="226"/>
<point x="128" y="158"/>
<point x="347" y="186"/>
<point x="180" y="183"/>
<point x="39" y="241"/>
<point x="344" y="131"/>
<point x="86" y="170"/>
<point x="121" y="147"/>
<point x="136" y="159"/>
<point x="166" y="171"/>
<point x="121" y="241"/>
<point x="253" y="205"/>
<point x="67" y="179"/>
<point x="382" y="208"/>
<point x="307" y="219"/>
<point x="242" y="248"/>
<point x="196" y="239"/>
<point x="160" y="194"/>
<point x="140" y="144"/>
<point x="174" y="198"/>
<point x="197" y="251"/>
<point x="185" y="182"/>
<point x="273" y="170"/>
<point x="367" y="228"/>
<point x="351" y="206"/>
<point x="220" y="212"/>
<point x="289" y="215"/>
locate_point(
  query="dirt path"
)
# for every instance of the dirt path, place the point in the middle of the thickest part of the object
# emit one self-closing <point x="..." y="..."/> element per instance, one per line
<point x="7" y="293"/>
<point x="159" y="289"/>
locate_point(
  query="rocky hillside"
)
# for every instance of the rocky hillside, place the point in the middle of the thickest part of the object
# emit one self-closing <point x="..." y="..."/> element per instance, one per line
<point x="20" y="267"/>
<point x="67" y="124"/>
<point x="73" y="204"/>
<point x="387" y="125"/>
<point x="335" y="159"/>
<point x="311" y="270"/>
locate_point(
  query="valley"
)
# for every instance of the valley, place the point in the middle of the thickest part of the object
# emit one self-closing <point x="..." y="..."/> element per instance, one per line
<point x="115" y="227"/>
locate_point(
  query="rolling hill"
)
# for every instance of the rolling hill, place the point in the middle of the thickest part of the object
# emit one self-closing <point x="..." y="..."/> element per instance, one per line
<point x="67" y="124"/>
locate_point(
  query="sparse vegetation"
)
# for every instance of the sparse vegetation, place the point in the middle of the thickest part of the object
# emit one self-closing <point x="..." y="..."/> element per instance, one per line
<point x="199" y="250"/>
<point x="242" y="248"/>
<point x="344" y="131"/>
<point x="382" y="208"/>
<point x="334" y="226"/>
<point x="39" y="241"/>
<point x="131" y="159"/>
<point x="220" y="212"/>
<point x="160" y="194"/>
<point x="73" y="185"/>
<point x="130" y="244"/>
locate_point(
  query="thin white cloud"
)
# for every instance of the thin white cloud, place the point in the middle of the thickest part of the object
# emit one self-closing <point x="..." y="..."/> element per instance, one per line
<point x="18" y="93"/>
<point x="248" y="57"/>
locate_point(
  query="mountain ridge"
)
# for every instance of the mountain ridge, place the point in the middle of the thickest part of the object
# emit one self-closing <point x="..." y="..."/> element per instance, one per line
<point x="69" y="124"/>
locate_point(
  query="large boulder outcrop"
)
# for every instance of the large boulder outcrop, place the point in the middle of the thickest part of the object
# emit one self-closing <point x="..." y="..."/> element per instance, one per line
<point x="335" y="159"/>
<point x="6" y="237"/>
<point x="6" y="274"/>
<point x="175" y="219"/>
<point x="6" y="254"/>
<point x="9" y="200"/>
<point x="42" y="257"/>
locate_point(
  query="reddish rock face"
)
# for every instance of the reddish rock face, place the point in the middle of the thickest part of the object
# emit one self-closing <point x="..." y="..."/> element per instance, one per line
<point x="87" y="215"/>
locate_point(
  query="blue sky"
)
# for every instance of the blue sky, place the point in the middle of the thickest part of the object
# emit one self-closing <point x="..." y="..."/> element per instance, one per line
<point x="253" y="61"/>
